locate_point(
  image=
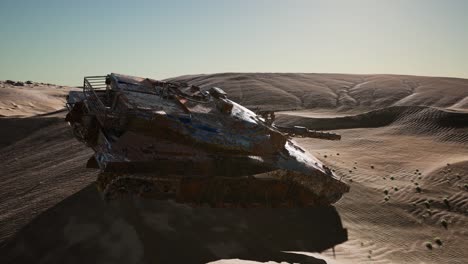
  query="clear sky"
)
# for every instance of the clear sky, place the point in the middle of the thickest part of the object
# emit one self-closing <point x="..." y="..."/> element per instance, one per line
<point x="60" y="41"/>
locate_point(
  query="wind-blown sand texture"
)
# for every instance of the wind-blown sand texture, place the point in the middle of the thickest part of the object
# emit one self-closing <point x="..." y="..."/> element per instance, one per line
<point x="404" y="152"/>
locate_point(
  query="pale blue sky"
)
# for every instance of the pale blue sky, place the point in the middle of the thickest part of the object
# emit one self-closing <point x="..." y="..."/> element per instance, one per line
<point x="60" y="41"/>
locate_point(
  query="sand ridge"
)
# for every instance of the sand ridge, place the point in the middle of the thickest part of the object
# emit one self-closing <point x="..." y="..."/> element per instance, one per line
<point x="296" y="91"/>
<point x="31" y="99"/>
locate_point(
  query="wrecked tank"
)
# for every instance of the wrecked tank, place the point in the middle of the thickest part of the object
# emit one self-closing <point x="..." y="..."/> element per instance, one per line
<point x="170" y="140"/>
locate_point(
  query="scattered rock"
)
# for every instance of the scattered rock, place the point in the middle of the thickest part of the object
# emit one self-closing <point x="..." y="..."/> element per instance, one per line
<point x="19" y="83"/>
<point x="29" y="82"/>
<point x="418" y="189"/>
<point x="429" y="245"/>
<point x="10" y="82"/>
<point x="372" y="167"/>
<point x="427" y="204"/>
<point x="446" y="202"/>
<point x="438" y="241"/>
<point x="444" y="223"/>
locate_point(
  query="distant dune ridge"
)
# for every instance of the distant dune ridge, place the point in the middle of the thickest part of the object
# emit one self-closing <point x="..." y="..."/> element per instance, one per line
<point x="404" y="152"/>
<point x="287" y="91"/>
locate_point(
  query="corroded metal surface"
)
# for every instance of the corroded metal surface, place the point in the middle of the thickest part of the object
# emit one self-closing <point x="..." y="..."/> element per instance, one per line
<point x="305" y="132"/>
<point x="174" y="141"/>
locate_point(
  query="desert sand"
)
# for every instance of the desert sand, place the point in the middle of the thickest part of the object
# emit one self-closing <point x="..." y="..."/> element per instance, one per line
<point x="31" y="99"/>
<point x="404" y="152"/>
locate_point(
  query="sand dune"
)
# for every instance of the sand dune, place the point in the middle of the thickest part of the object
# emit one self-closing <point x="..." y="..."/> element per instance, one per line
<point x="288" y="91"/>
<point x="404" y="151"/>
<point x="31" y="99"/>
<point x="426" y="117"/>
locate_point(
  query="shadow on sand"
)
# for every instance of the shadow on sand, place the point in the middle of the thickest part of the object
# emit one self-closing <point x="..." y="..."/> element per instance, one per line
<point x="85" y="229"/>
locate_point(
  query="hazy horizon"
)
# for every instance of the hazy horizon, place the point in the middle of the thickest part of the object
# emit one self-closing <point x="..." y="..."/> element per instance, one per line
<point x="57" y="42"/>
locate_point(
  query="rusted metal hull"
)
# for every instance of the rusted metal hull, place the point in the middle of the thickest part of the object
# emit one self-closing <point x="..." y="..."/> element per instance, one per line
<point x="169" y="141"/>
<point x="275" y="189"/>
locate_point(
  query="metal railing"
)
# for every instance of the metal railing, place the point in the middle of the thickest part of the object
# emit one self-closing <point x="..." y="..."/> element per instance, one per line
<point x="95" y="104"/>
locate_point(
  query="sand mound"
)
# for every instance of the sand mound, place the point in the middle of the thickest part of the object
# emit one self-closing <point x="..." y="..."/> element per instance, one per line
<point x="31" y="99"/>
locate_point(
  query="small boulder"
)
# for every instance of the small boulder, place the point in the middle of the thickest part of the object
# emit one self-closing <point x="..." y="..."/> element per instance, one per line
<point x="444" y="223"/>
<point x="429" y="245"/>
<point x="19" y="84"/>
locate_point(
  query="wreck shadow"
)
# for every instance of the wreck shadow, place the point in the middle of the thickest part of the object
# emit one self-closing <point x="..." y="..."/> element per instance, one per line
<point x="85" y="229"/>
